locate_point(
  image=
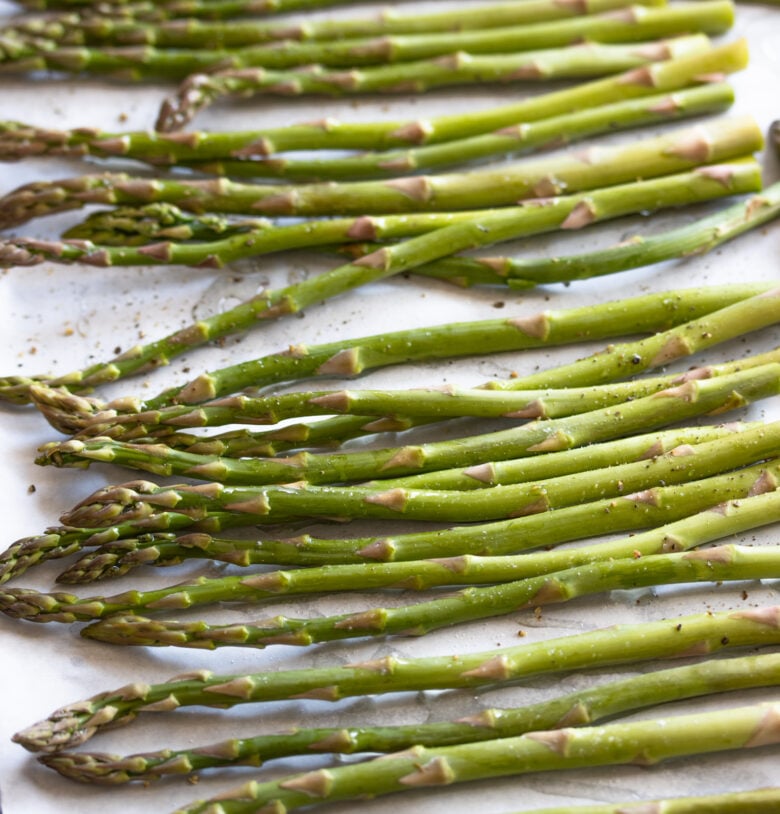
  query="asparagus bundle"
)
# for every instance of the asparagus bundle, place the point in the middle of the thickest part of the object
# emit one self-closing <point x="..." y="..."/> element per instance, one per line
<point x="164" y="460"/>
<point x="121" y="29"/>
<point x="158" y="148"/>
<point x="646" y="508"/>
<point x="659" y="409"/>
<point x="698" y="634"/>
<point x="597" y="567"/>
<point x="702" y="183"/>
<point x="578" y="708"/>
<point x="632" y="24"/>
<point x="132" y="226"/>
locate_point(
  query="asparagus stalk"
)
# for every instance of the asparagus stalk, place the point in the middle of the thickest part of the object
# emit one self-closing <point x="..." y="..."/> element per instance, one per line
<point x="354" y="357"/>
<point x="415" y="575"/>
<point x="210" y="9"/>
<point x="648" y="508"/>
<point x="73" y="29"/>
<point x="523" y="138"/>
<point x="247" y="444"/>
<point x="707" y="143"/>
<point x="721" y="564"/>
<point x="632" y="24"/>
<point x="598" y="703"/>
<point x="158" y="148"/>
<point x="711" y="523"/>
<point x="329" y="433"/>
<point x="698" y="634"/>
<point x="699" y="237"/>
<point x="584" y="60"/>
<point x="425" y="404"/>
<point x="762" y="801"/>
<point x="254" y="503"/>
<point x="648" y="742"/>
<point x="495" y="399"/>
<point x="467" y="231"/>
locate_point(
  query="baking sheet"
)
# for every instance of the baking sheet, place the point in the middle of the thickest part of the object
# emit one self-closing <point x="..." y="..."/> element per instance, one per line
<point x="57" y="319"/>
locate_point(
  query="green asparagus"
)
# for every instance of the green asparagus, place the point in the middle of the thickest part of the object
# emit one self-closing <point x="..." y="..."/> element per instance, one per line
<point x="699" y="634"/>
<point x="414" y="575"/>
<point x="577" y="708"/>
<point x="645" y="742"/>
<point x="646" y="509"/>
<point x="584" y="60"/>
<point x="73" y="29"/>
<point x="632" y="24"/>
<point x="159" y="148"/>
<point x="711" y="523"/>
<point x="707" y="143"/>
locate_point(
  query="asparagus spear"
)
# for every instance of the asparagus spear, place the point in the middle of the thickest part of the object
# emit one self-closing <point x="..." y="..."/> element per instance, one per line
<point x="616" y="362"/>
<point x="697" y="634"/>
<point x="199" y="8"/>
<point x="660" y="156"/>
<point x="762" y="801"/>
<point x="414" y="575"/>
<point x="584" y="60"/>
<point x="158" y="148"/>
<point x="523" y="138"/>
<point x="648" y="742"/>
<point x="648" y="508"/>
<point x="699" y="237"/>
<point x="721" y="564"/>
<point x="678" y="535"/>
<point x="632" y="24"/>
<point x="254" y="503"/>
<point x="598" y="703"/>
<point x="74" y="29"/>
<point x="570" y="212"/>
<point x="425" y="404"/>
<point x="353" y="357"/>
